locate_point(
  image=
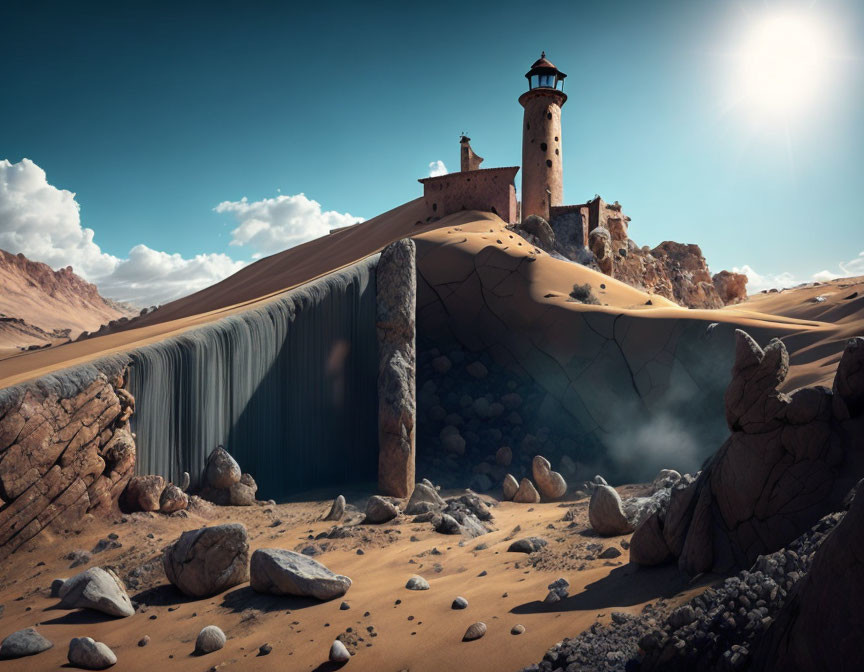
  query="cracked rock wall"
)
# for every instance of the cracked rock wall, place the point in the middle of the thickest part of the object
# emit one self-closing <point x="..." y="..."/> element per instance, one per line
<point x="65" y="449"/>
<point x="648" y="388"/>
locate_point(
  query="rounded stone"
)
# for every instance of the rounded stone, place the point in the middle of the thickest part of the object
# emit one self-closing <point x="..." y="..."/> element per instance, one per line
<point x="210" y="639"/>
<point x="222" y="470"/>
<point x="417" y="583"/>
<point x="338" y="652"/>
<point x="474" y="631"/>
<point x="90" y="655"/>
<point x="26" y="642"/>
<point x="459" y="603"/>
<point x="517" y="629"/>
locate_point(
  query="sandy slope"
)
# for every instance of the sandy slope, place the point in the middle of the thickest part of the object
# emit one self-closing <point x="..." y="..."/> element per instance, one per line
<point x="301" y="631"/>
<point x="551" y="280"/>
<point x="47" y="302"/>
<point x="814" y="354"/>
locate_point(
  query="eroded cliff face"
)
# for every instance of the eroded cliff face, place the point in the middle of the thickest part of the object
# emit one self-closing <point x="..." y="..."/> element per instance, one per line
<point x="65" y="450"/>
<point x="39" y="305"/>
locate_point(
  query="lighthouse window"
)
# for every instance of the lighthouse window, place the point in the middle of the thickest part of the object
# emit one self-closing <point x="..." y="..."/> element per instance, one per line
<point x="543" y="146"/>
<point x="548" y="163"/>
<point x="535" y="81"/>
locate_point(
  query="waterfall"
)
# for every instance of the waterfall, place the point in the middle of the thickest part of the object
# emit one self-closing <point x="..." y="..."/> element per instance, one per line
<point x="289" y="388"/>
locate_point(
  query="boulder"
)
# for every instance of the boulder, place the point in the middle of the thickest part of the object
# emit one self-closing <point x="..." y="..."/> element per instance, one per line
<point x="209" y="560"/>
<point x="98" y="589"/>
<point x="222" y="470"/>
<point x="605" y="512"/>
<point x="90" y="655"/>
<point x="23" y="643"/>
<point x="527" y="493"/>
<point x="423" y="494"/>
<point x="665" y="478"/>
<point x="550" y="483"/>
<point x="509" y="487"/>
<point x="527" y="545"/>
<point x="173" y="499"/>
<point x="446" y="524"/>
<point x="210" y="639"/>
<point x="144" y="493"/>
<point x="283" y="572"/>
<point x="243" y="492"/>
<point x="539" y="227"/>
<point x="380" y="510"/>
<point x="337" y="509"/>
<point x="731" y="287"/>
<point x="504" y="456"/>
<point x="647" y="545"/>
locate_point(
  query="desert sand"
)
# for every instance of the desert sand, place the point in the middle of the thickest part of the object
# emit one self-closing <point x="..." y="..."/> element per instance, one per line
<point x="422" y="633"/>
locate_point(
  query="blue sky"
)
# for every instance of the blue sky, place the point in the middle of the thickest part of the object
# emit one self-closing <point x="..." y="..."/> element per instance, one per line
<point x="155" y="113"/>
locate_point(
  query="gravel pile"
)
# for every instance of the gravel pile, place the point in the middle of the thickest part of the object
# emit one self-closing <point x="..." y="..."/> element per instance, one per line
<point x="714" y="631"/>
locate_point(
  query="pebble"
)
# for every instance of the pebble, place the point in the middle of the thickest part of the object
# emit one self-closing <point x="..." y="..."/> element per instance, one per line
<point x="417" y="583"/>
<point x="210" y="639"/>
<point x="344" y="606"/>
<point x="144" y="641"/>
<point x="459" y="603"/>
<point x="264" y="649"/>
<point x="517" y="629"/>
<point x="338" y="653"/>
<point x="474" y="631"/>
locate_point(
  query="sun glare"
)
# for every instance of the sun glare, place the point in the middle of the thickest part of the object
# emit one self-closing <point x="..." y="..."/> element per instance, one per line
<point x="783" y="65"/>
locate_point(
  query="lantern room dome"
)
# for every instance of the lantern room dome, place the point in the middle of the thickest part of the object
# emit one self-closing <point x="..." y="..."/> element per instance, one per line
<point x="544" y="75"/>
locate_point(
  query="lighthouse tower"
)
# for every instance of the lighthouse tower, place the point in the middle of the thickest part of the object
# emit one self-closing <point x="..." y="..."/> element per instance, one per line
<point x="541" y="139"/>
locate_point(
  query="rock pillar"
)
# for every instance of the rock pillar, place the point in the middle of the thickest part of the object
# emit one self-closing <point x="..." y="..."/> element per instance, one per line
<point x="397" y="409"/>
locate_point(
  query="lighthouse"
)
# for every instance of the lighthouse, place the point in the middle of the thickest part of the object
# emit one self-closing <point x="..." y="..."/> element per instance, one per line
<point x="541" y="139"/>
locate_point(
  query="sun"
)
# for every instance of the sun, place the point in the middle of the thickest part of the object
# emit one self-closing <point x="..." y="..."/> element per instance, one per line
<point x="783" y="64"/>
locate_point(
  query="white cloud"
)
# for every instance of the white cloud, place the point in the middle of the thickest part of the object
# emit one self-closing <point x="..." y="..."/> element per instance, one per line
<point x="756" y="282"/>
<point x="274" y="224"/>
<point x="437" y="168"/>
<point x="44" y="224"/>
<point x="152" y="277"/>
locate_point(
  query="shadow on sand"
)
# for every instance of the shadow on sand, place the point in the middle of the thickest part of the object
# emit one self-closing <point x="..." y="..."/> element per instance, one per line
<point x="623" y="587"/>
<point x="244" y="598"/>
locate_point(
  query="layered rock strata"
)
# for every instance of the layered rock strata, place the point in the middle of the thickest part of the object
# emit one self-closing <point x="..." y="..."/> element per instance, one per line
<point x="65" y="449"/>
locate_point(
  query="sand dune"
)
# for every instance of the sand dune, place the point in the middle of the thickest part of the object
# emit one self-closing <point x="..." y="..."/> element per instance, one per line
<point x="550" y="282"/>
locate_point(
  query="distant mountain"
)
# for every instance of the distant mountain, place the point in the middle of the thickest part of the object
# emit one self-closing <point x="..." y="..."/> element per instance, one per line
<point x="40" y="306"/>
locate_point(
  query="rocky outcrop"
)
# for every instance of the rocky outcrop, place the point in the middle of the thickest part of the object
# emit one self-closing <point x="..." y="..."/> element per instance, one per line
<point x="396" y="326"/>
<point x="65" y="450"/>
<point x="789" y="461"/>
<point x="144" y="493"/>
<point x="207" y="561"/>
<point x="731" y="287"/>
<point x="673" y="270"/>
<point x="283" y="572"/>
